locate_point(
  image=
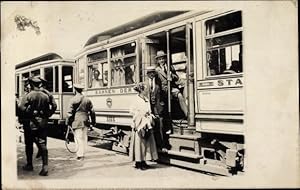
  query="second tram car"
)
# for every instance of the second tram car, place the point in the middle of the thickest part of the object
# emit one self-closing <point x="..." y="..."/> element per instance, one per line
<point x="59" y="75"/>
<point x="206" y="49"/>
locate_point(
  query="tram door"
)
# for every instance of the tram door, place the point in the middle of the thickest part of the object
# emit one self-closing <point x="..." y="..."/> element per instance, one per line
<point x="177" y="43"/>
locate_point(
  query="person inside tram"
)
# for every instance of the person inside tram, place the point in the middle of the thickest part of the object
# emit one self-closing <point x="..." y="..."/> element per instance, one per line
<point x="118" y="73"/>
<point x="235" y="67"/>
<point x="142" y="143"/>
<point x="96" y="82"/>
<point x="161" y="70"/>
<point x="129" y="74"/>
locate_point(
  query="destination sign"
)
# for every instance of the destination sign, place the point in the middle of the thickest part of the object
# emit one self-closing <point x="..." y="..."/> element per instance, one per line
<point x="108" y="91"/>
<point x="217" y="83"/>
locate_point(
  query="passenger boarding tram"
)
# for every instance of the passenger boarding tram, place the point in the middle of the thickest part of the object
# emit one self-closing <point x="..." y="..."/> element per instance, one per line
<point x="58" y="72"/>
<point x="206" y="50"/>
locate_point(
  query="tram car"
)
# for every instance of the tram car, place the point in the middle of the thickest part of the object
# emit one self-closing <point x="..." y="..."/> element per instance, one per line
<point x="58" y="72"/>
<point x="206" y="50"/>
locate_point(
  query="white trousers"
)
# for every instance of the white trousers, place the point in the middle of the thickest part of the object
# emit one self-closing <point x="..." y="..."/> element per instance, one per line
<point x="81" y="135"/>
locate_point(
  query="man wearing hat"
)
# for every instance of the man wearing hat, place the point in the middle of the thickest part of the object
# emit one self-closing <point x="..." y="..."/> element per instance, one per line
<point x="157" y="104"/>
<point x="80" y="108"/>
<point x="161" y="70"/>
<point x="36" y="106"/>
<point x="52" y="103"/>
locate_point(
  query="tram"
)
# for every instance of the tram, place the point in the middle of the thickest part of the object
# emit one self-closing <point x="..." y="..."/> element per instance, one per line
<point x="59" y="75"/>
<point x="206" y="50"/>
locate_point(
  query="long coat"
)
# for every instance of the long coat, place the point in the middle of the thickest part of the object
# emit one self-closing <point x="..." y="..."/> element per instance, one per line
<point x="141" y="149"/>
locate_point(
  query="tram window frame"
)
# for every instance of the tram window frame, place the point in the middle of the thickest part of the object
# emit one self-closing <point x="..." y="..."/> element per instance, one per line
<point x="50" y="81"/>
<point x="96" y="61"/>
<point x="226" y="42"/>
<point x="56" y="86"/>
<point x="17" y="84"/>
<point x="120" y="60"/>
<point x="68" y="81"/>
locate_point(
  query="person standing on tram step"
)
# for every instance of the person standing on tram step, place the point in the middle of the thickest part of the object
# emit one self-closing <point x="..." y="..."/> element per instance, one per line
<point x="35" y="105"/>
<point x="161" y="70"/>
<point x="157" y="105"/>
<point x="52" y="104"/>
<point x="80" y="108"/>
<point x="142" y="144"/>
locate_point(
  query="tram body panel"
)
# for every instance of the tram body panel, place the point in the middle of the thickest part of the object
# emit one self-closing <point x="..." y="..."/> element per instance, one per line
<point x="112" y="106"/>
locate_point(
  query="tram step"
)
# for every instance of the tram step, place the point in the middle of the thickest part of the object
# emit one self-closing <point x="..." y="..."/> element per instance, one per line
<point x="188" y="137"/>
<point x="184" y="130"/>
<point x="182" y="154"/>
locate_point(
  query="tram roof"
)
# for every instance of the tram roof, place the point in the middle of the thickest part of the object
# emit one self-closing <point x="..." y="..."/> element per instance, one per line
<point x="133" y="25"/>
<point x="45" y="57"/>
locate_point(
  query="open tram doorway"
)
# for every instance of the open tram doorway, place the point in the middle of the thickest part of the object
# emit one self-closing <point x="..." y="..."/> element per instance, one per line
<point x="177" y="43"/>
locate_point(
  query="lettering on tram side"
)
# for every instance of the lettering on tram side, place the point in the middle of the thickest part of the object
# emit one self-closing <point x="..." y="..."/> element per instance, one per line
<point x="229" y="82"/>
<point x="110" y="118"/>
<point x="123" y="90"/>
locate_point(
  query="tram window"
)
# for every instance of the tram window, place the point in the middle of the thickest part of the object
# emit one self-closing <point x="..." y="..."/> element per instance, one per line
<point x="224" y="52"/>
<point x="67" y="76"/>
<point x="123" y="64"/>
<point x="25" y="76"/>
<point x="35" y="73"/>
<point x="56" y="78"/>
<point x="49" y="78"/>
<point x="98" y="75"/>
<point x="81" y="69"/>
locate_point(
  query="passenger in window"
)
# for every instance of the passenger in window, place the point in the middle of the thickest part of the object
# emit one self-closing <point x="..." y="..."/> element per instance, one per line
<point x="118" y="74"/>
<point x="105" y="81"/>
<point x="129" y="74"/>
<point x="161" y="70"/>
<point x="97" y="83"/>
<point x="235" y="67"/>
<point x="142" y="143"/>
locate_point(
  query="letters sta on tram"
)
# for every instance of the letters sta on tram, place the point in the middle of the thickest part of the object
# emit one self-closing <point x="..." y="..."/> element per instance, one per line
<point x="206" y="50"/>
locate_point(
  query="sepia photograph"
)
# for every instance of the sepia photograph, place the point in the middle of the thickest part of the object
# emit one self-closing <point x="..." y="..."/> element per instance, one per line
<point x="141" y="94"/>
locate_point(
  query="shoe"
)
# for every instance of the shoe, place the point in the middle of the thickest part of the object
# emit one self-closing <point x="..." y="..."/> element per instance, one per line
<point x="43" y="172"/>
<point x="80" y="158"/>
<point x="28" y="167"/>
<point x="137" y="165"/>
<point x="146" y="166"/>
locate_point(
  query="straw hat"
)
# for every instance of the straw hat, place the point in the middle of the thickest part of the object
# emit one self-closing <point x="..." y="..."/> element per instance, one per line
<point x="160" y="53"/>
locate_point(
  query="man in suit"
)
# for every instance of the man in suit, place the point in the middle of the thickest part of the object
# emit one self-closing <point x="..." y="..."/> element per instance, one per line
<point x="157" y="104"/>
<point x="161" y="70"/>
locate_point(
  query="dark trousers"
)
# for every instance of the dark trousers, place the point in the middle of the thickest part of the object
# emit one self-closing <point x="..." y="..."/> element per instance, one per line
<point x="36" y="135"/>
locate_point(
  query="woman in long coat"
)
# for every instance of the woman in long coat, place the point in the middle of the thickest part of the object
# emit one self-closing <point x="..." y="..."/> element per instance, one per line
<point x="142" y="145"/>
